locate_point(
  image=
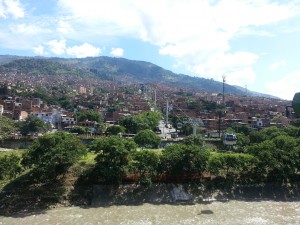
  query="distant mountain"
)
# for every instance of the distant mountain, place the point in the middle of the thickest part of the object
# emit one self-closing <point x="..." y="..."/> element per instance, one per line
<point x="115" y="69"/>
<point x="254" y="93"/>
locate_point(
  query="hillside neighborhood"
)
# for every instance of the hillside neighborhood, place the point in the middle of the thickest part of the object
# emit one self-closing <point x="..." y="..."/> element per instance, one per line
<point x="113" y="100"/>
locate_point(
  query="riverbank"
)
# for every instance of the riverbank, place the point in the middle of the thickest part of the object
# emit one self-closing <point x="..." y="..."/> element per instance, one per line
<point x="37" y="198"/>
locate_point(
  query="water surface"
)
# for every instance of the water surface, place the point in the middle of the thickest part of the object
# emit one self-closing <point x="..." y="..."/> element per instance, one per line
<point x="230" y="212"/>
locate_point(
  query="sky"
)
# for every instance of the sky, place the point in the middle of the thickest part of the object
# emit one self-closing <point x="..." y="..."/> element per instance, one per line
<point x="253" y="43"/>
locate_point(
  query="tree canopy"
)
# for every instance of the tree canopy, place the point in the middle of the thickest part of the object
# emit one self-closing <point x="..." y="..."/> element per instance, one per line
<point x="147" y="138"/>
<point x="33" y="124"/>
<point x="136" y="123"/>
<point x="53" y="154"/>
<point x="112" y="158"/>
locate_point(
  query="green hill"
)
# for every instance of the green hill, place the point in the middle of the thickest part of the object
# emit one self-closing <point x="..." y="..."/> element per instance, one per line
<point x="114" y="69"/>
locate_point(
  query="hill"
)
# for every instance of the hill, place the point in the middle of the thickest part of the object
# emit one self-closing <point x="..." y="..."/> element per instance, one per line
<point x="115" y="69"/>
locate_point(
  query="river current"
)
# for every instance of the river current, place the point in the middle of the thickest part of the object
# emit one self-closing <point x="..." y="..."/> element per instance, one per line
<point x="229" y="212"/>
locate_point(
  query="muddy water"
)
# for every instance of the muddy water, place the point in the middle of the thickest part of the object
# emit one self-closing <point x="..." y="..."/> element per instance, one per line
<point x="231" y="212"/>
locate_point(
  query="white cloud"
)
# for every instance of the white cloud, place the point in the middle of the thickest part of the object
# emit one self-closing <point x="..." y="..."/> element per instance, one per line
<point x="26" y="29"/>
<point x="197" y="34"/>
<point x="276" y="65"/>
<point x="118" y="52"/>
<point x="64" y="27"/>
<point x="39" y="50"/>
<point x="57" y="47"/>
<point x="84" y="50"/>
<point x="11" y="8"/>
<point x="285" y="87"/>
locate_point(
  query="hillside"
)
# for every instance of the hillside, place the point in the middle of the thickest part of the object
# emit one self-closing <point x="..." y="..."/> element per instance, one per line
<point x="115" y="69"/>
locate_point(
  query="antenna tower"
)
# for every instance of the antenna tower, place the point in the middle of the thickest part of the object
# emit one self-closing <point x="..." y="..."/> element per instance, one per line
<point x="224" y="80"/>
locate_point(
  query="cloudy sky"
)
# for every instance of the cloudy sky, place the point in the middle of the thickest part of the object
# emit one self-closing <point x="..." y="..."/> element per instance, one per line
<point x="254" y="43"/>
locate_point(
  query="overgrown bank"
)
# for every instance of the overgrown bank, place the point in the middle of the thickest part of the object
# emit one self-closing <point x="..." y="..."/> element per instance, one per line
<point x="58" y="169"/>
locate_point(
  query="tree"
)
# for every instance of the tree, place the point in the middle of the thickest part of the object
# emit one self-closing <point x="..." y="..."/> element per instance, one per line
<point x="257" y="137"/>
<point x="182" y="159"/>
<point x="112" y="158"/>
<point x="147" y="138"/>
<point x="136" y="123"/>
<point x="278" y="158"/>
<point x="33" y="124"/>
<point x="145" y="163"/>
<point x="6" y="124"/>
<point x="53" y="154"/>
<point x="9" y="166"/>
<point x="133" y="123"/>
<point x="115" y="129"/>
<point x="194" y="140"/>
<point x="230" y="163"/>
<point x="78" y="130"/>
<point x="89" y="115"/>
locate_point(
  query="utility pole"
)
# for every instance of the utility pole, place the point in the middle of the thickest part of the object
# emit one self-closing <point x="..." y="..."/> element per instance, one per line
<point x="155" y="106"/>
<point x="224" y="80"/>
<point x="167" y="114"/>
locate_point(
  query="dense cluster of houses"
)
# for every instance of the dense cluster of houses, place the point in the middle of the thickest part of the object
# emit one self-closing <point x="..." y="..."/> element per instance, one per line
<point x="119" y="100"/>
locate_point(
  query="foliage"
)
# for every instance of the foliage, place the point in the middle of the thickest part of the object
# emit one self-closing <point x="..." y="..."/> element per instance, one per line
<point x="147" y="138"/>
<point x="194" y="140"/>
<point x="242" y="142"/>
<point x="230" y="163"/>
<point x="183" y="159"/>
<point x="112" y="158"/>
<point x="115" y="129"/>
<point x="65" y="103"/>
<point x="279" y="158"/>
<point x="144" y="163"/>
<point x="9" y="166"/>
<point x="78" y="130"/>
<point x="242" y="129"/>
<point x="36" y="66"/>
<point x="257" y="137"/>
<point x="53" y="154"/>
<point x="33" y="124"/>
<point x="292" y="131"/>
<point x="295" y="122"/>
<point x="89" y="115"/>
<point x="6" y="124"/>
<point x="136" y="123"/>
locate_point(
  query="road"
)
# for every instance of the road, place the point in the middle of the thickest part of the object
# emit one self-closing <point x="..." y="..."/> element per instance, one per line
<point x="165" y="131"/>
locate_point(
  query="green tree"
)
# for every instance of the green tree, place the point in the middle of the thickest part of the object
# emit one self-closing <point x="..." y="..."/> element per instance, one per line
<point x="183" y="159"/>
<point x="144" y="163"/>
<point x="78" y="130"/>
<point x="53" y="154"/>
<point x="112" y="158"/>
<point x="32" y="125"/>
<point x="147" y="138"/>
<point x="7" y="124"/>
<point x="193" y="140"/>
<point x="9" y="166"/>
<point x="115" y="129"/>
<point x="133" y="123"/>
<point x="257" y="137"/>
<point x="279" y="158"/>
<point x="233" y="164"/>
<point x="90" y="115"/>
<point x="136" y="123"/>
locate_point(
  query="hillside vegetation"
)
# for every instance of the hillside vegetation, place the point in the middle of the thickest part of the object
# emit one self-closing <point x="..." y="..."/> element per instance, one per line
<point x="113" y="69"/>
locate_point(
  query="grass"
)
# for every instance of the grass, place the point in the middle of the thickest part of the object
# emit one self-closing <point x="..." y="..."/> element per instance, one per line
<point x="88" y="159"/>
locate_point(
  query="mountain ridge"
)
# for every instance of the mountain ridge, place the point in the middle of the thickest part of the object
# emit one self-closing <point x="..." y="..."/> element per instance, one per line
<point x="111" y="68"/>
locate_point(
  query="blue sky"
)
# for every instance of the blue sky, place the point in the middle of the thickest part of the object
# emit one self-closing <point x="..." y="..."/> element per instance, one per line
<point x="254" y="43"/>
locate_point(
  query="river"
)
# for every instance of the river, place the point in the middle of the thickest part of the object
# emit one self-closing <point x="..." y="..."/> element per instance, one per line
<point x="229" y="212"/>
